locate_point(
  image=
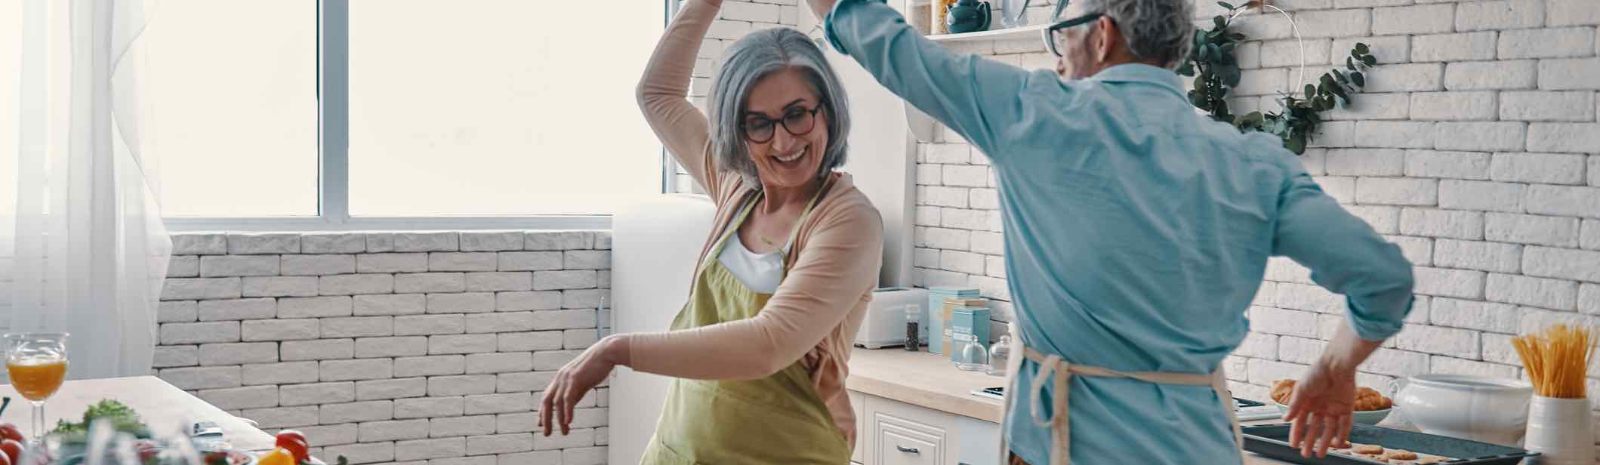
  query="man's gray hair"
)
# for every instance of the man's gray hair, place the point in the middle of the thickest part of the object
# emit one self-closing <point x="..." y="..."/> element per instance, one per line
<point x="1158" y="30"/>
<point x="745" y="63"/>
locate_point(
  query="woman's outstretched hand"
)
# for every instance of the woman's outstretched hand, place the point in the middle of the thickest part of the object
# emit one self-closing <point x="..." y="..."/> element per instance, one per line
<point x="576" y="379"/>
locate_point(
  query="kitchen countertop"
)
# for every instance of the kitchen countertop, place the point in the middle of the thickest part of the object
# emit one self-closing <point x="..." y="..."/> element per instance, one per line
<point x="923" y="379"/>
<point x="931" y="381"/>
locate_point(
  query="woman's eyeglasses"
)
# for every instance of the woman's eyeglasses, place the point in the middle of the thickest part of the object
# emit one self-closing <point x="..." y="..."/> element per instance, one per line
<point x="1051" y="32"/>
<point x="797" y="120"/>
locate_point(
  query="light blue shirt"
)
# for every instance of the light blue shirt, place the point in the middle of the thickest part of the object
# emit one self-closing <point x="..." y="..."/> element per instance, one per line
<point x="1136" y="233"/>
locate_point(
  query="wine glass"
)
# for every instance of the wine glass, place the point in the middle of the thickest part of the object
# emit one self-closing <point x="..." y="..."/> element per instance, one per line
<point x="37" y="363"/>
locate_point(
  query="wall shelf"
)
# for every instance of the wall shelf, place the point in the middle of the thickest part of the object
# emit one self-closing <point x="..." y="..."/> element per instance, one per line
<point x="1014" y="33"/>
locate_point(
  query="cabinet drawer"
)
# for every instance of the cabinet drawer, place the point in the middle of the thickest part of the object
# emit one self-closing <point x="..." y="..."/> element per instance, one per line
<point x="902" y="446"/>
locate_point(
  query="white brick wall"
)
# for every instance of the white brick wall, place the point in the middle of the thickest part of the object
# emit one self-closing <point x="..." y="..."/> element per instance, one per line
<point x="390" y="346"/>
<point x="1475" y="148"/>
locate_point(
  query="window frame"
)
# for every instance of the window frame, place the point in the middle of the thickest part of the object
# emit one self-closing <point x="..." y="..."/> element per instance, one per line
<point x="333" y="162"/>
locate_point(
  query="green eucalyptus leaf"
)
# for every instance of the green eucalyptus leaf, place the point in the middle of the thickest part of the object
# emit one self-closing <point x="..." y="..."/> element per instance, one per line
<point x="1295" y="143"/>
<point x="1340" y="76"/>
<point x="1232" y="77"/>
<point x="1219" y="21"/>
<point x="1311" y="91"/>
<point x="1225" y="5"/>
<point x="1350" y="63"/>
<point x="1361" y="48"/>
<point x="1369" y="60"/>
<point x="1359" y="79"/>
<point x="1339" y="91"/>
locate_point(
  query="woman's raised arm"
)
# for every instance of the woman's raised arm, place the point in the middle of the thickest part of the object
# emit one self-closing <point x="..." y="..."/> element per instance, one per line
<point x="663" y="91"/>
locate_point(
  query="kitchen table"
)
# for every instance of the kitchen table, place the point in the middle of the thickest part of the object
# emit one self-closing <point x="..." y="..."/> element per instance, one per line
<point x="159" y="404"/>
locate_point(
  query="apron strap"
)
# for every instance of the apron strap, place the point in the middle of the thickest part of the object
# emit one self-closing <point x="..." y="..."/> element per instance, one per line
<point x="1057" y="371"/>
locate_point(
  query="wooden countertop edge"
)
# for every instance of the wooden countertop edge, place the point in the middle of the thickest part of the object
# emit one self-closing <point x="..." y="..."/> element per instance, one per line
<point x="940" y="386"/>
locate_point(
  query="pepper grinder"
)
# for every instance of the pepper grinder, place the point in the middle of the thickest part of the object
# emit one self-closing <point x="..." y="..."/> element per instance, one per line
<point x="913" y="314"/>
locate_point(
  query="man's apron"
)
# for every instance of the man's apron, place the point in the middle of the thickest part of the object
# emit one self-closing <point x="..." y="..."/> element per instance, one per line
<point x="1052" y="368"/>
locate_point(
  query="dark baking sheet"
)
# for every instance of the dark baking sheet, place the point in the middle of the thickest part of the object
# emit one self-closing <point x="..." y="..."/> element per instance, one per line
<point x="1273" y="441"/>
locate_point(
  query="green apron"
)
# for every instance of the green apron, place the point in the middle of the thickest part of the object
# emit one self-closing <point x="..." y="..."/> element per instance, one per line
<point x="778" y="419"/>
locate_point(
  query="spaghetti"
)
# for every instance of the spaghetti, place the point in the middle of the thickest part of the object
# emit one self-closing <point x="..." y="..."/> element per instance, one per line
<point x="1557" y="360"/>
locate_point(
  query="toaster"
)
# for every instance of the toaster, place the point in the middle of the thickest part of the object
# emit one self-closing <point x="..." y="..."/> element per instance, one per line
<point x="885" y="323"/>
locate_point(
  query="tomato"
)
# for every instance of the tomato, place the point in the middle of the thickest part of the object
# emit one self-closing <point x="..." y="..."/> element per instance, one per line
<point x="5" y="460"/>
<point x="10" y="431"/>
<point x="296" y="444"/>
<point x="12" y="449"/>
<point x="278" y="456"/>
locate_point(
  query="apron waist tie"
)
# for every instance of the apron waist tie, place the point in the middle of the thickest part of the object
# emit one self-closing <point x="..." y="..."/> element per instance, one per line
<point x="1057" y="371"/>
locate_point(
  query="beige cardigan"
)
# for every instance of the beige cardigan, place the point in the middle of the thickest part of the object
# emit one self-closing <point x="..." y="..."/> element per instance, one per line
<point x="814" y="314"/>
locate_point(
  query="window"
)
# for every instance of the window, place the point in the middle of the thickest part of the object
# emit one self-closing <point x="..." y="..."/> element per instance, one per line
<point x="231" y="107"/>
<point x="426" y="109"/>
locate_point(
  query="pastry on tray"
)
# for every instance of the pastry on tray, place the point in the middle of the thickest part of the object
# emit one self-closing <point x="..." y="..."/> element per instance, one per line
<point x="1380" y="454"/>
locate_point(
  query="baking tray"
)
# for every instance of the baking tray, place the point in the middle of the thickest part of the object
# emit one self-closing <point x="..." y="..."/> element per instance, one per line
<point x="1273" y="441"/>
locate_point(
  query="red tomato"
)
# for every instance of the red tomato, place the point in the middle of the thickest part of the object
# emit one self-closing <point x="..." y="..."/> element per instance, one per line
<point x="10" y="431"/>
<point x="12" y="449"/>
<point x="5" y="459"/>
<point x="296" y="444"/>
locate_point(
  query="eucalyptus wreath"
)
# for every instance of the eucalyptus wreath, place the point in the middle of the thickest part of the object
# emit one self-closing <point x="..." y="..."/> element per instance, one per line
<point x="1211" y="62"/>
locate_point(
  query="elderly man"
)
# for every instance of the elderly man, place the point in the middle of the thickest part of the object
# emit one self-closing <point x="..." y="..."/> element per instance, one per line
<point x="1136" y="234"/>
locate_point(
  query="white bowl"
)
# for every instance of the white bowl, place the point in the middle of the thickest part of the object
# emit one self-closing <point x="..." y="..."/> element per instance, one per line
<point x="1479" y="408"/>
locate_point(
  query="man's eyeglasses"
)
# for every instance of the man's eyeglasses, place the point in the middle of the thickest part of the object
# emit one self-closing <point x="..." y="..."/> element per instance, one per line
<point x="797" y="120"/>
<point x="1050" y="32"/>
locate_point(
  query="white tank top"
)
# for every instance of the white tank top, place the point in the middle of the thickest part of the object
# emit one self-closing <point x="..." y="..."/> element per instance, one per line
<point x="759" y="272"/>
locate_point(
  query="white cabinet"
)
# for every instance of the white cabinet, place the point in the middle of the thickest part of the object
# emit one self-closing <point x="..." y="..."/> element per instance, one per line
<point x="890" y="432"/>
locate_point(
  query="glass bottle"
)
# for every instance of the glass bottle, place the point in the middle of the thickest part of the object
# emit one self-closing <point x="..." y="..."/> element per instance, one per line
<point x="971" y="355"/>
<point x="999" y="355"/>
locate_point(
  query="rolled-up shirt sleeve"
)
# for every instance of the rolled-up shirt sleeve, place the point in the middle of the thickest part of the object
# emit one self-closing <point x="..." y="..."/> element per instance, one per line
<point x="975" y="97"/>
<point x="1345" y="256"/>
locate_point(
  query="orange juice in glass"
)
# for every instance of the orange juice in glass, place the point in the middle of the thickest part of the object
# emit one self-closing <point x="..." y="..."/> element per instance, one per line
<point x="36" y="379"/>
<point x="37" y="364"/>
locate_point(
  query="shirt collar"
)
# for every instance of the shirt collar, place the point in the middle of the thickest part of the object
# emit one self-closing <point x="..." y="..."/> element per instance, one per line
<point x="1139" y="72"/>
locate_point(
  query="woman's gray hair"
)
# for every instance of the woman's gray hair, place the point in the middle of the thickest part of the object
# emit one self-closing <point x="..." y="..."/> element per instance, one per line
<point x="746" y="62"/>
<point x="1160" y="30"/>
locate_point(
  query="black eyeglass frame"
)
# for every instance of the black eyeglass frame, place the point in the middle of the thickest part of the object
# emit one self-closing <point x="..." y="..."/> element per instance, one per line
<point x="744" y="126"/>
<point x="1050" y="32"/>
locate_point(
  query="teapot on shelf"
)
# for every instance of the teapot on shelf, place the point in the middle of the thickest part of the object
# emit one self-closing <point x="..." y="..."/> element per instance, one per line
<point x="968" y="16"/>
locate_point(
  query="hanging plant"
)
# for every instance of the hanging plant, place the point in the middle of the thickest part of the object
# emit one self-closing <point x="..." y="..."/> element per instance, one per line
<point x="1216" y="72"/>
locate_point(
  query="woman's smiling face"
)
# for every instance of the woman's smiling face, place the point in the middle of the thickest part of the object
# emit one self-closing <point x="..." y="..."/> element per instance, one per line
<point x="786" y="160"/>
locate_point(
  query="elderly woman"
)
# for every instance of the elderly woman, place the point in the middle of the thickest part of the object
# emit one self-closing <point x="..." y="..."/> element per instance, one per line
<point x="760" y="349"/>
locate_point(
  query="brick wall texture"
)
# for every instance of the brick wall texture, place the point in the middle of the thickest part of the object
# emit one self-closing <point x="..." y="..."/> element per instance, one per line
<point x="402" y="347"/>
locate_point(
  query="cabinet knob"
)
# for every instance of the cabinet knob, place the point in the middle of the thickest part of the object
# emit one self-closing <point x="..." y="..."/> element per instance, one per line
<point x="908" y="450"/>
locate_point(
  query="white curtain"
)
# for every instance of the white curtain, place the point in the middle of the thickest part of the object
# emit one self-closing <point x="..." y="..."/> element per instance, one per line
<point x="82" y="246"/>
